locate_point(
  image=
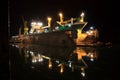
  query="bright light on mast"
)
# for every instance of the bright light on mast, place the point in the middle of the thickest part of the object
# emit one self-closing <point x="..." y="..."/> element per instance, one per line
<point x="61" y="17"/>
<point x="49" y="21"/>
<point x="82" y="14"/>
<point x="82" y="17"/>
<point x="40" y="24"/>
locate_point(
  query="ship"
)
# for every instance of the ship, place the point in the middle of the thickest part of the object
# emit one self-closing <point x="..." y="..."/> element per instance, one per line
<point x="67" y="33"/>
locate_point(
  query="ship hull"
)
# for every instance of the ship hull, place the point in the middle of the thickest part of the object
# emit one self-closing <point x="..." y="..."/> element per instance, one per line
<point x="65" y="37"/>
<point x="59" y="38"/>
<point x="68" y="38"/>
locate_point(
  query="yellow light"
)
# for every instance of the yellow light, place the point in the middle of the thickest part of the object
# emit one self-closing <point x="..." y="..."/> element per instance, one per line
<point x="39" y="24"/>
<point x="49" y="18"/>
<point x="82" y="14"/>
<point x="33" y="23"/>
<point x="61" y="67"/>
<point x="60" y="14"/>
<point x="80" y="53"/>
<point x="82" y="17"/>
<point x="50" y="64"/>
<point x="61" y="17"/>
<point x="49" y="21"/>
<point x="61" y="70"/>
<point x="91" y="56"/>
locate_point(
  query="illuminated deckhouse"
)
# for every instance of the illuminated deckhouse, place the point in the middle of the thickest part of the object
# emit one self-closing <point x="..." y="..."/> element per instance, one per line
<point x="35" y="27"/>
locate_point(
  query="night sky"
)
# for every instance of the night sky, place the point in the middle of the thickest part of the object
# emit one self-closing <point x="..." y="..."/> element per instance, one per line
<point x="98" y="13"/>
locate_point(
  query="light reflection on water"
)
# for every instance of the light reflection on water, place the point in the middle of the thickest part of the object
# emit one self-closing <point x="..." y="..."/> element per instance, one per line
<point x="53" y="60"/>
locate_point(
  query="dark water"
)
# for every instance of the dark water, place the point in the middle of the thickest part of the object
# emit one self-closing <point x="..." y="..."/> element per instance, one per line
<point x="33" y="62"/>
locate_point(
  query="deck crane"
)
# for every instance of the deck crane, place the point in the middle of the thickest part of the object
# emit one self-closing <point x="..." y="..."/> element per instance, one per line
<point x="25" y="26"/>
<point x="62" y="22"/>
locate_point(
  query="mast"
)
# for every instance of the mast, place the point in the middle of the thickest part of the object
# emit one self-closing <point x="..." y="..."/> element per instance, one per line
<point x="25" y="26"/>
<point x="61" y="17"/>
<point x="8" y="19"/>
<point x="49" y="21"/>
<point x="82" y="17"/>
